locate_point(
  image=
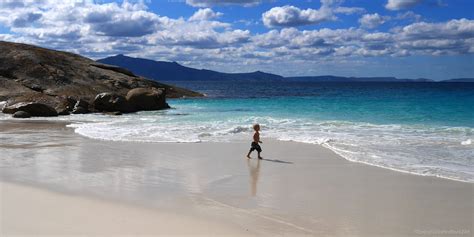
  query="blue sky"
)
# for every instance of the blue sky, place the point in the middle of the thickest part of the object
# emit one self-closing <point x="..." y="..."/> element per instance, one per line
<point x="402" y="38"/>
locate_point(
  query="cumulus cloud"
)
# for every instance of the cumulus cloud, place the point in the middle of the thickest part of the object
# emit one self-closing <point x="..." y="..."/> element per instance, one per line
<point x="52" y="17"/>
<point x="349" y="10"/>
<point x="12" y="4"/>
<point x="371" y="21"/>
<point x="421" y="38"/>
<point x="453" y="29"/>
<point x="23" y="20"/>
<point x="409" y="15"/>
<point x="205" y="14"/>
<point x="453" y="37"/>
<point x="199" y="34"/>
<point x="101" y="29"/>
<point x="211" y="3"/>
<point x="289" y="16"/>
<point x="293" y="16"/>
<point x="293" y="38"/>
<point x="128" y="25"/>
<point x="400" y="4"/>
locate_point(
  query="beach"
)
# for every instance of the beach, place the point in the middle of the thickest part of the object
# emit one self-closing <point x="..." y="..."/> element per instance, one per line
<point x="138" y="118"/>
<point x="54" y="181"/>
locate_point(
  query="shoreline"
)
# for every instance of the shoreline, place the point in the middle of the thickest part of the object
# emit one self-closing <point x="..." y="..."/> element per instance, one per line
<point x="299" y="189"/>
<point x="397" y="170"/>
<point x="324" y="146"/>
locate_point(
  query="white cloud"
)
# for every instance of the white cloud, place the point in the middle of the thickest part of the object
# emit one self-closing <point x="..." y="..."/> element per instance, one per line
<point x="205" y="14"/>
<point x="453" y="29"/>
<point x="289" y="16"/>
<point x="131" y="24"/>
<point x="52" y="17"/>
<point x="7" y="37"/>
<point x="96" y="30"/>
<point x="331" y="2"/>
<point x="198" y="34"/>
<point x="211" y="3"/>
<point x="400" y="4"/>
<point x="23" y="20"/>
<point x="452" y="37"/>
<point x="378" y="36"/>
<point x="293" y="38"/>
<point x="409" y="15"/>
<point x="13" y="4"/>
<point x="371" y="21"/>
<point x="292" y="16"/>
<point x="349" y="10"/>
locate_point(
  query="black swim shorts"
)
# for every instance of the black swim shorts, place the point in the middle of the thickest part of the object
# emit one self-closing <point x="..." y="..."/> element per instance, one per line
<point x="255" y="146"/>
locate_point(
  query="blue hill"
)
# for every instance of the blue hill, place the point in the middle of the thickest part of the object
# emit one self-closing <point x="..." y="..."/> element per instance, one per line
<point x="173" y="71"/>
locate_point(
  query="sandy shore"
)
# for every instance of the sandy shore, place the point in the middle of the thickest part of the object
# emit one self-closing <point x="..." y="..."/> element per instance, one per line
<point x="56" y="182"/>
<point x="27" y="211"/>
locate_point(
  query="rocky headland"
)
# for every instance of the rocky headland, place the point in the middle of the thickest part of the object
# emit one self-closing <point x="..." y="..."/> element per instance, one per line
<point x="36" y="81"/>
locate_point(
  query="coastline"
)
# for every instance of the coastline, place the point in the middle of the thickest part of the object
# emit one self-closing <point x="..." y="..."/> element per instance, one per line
<point x="395" y="169"/>
<point x="300" y="189"/>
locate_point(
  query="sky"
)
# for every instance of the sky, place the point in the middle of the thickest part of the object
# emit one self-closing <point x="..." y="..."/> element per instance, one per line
<point x="364" y="38"/>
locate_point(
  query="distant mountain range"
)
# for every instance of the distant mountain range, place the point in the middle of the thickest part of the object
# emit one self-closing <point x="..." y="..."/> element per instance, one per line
<point x="460" y="80"/>
<point x="356" y="79"/>
<point x="173" y="71"/>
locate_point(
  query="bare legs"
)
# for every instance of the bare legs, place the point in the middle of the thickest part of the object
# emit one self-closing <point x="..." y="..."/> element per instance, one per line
<point x="248" y="155"/>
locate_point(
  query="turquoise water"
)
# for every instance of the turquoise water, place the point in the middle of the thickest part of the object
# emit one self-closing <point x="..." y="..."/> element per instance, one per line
<point x="407" y="103"/>
<point x="420" y="128"/>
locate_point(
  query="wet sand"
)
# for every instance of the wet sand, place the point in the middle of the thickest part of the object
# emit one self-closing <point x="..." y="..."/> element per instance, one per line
<point x="28" y="211"/>
<point x="48" y="173"/>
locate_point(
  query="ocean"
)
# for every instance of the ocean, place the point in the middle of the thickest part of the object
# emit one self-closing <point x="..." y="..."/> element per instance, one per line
<point x="420" y="128"/>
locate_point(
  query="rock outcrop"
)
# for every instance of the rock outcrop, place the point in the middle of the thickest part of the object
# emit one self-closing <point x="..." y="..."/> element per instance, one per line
<point x="81" y="107"/>
<point x="32" y="108"/>
<point x="137" y="99"/>
<point x="54" y="78"/>
<point x="147" y="99"/>
<point x="21" y="114"/>
<point x="111" y="102"/>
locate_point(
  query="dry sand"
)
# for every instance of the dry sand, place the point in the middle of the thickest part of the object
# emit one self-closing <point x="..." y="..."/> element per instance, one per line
<point x="110" y="188"/>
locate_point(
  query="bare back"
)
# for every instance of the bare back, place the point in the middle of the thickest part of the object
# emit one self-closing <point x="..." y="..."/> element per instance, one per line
<point x="256" y="137"/>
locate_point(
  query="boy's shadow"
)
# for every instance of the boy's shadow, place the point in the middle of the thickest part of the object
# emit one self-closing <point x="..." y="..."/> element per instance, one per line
<point x="278" y="161"/>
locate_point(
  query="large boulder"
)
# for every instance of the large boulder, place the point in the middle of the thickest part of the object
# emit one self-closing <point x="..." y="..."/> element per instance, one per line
<point x="111" y="102"/>
<point x="66" y="105"/>
<point x="21" y="114"/>
<point x="147" y="99"/>
<point x="63" y="111"/>
<point x="34" y="109"/>
<point x="81" y="107"/>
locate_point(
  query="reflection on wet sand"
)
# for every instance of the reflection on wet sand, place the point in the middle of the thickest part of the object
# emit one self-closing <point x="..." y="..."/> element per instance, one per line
<point x="254" y="170"/>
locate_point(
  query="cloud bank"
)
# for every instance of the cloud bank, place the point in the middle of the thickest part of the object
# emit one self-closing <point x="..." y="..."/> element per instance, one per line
<point x="205" y="14"/>
<point x="287" y="16"/>
<point x="211" y="3"/>
<point x="371" y="21"/>
<point x="401" y="4"/>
